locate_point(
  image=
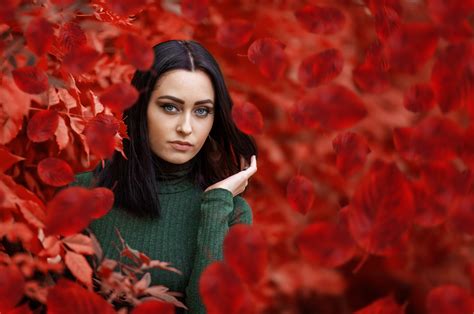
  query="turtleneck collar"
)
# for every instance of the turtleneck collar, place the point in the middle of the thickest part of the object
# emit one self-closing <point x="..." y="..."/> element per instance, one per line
<point x="173" y="177"/>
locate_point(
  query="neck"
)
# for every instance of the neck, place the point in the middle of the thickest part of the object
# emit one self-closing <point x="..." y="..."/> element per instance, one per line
<point x="166" y="170"/>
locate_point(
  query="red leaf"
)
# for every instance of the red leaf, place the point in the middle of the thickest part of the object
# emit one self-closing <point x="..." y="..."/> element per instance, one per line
<point x="39" y="35"/>
<point x="62" y="134"/>
<point x="411" y="46"/>
<point x="444" y="182"/>
<point x="385" y="305"/>
<point x="69" y="297"/>
<point x="55" y="171"/>
<point x="268" y="54"/>
<point x="371" y="79"/>
<point x="376" y="5"/>
<point x="429" y="211"/>
<point x="80" y="60"/>
<point x="461" y="215"/>
<point x="451" y="18"/>
<point x="31" y="80"/>
<point x="234" y="33"/>
<point x="245" y="251"/>
<point x="119" y="97"/>
<point x="42" y="126"/>
<point x="12" y="287"/>
<point x="22" y="309"/>
<point x="100" y="135"/>
<point x="101" y="201"/>
<point x="67" y="212"/>
<point x="419" y="98"/>
<point x="221" y="289"/>
<point x="327" y="244"/>
<point x="351" y="152"/>
<point x="80" y="244"/>
<point x="71" y="36"/>
<point x="332" y="106"/>
<point x="79" y="267"/>
<point x="320" y="20"/>
<point x="467" y="151"/>
<point x="320" y="68"/>
<point x="452" y="77"/>
<point x="381" y="209"/>
<point x="300" y="193"/>
<point x="138" y="52"/>
<point x="448" y="298"/>
<point x="7" y="159"/>
<point x="154" y="307"/>
<point x="195" y="10"/>
<point x="433" y="138"/>
<point x="126" y="7"/>
<point x="247" y="117"/>
<point x="14" y="103"/>
<point x="387" y="21"/>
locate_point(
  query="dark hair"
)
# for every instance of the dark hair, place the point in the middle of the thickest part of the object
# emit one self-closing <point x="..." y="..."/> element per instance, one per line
<point x="133" y="180"/>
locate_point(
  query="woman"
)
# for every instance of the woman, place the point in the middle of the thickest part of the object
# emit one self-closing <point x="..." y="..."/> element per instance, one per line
<point x="176" y="194"/>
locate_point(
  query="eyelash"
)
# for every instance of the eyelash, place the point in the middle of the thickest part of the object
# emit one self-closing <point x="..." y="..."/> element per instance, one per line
<point x="171" y="105"/>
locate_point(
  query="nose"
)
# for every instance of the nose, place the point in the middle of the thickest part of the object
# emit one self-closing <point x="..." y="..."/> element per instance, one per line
<point x="184" y="125"/>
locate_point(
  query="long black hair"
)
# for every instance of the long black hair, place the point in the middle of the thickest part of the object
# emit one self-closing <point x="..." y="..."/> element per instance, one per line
<point x="133" y="181"/>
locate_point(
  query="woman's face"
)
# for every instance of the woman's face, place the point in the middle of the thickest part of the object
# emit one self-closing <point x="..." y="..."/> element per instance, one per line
<point x="181" y="108"/>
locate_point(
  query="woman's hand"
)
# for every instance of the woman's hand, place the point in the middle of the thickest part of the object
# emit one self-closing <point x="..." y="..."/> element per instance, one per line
<point x="237" y="183"/>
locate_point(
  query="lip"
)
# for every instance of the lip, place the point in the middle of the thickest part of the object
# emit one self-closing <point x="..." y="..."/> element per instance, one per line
<point x="182" y="143"/>
<point x="181" y="147"/>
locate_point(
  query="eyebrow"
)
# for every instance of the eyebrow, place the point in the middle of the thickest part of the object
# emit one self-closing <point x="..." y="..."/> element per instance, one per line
<point x="200" y="102"/>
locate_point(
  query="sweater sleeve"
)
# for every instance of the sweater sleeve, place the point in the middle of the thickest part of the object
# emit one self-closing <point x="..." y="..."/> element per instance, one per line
<point x="219" y="211"/>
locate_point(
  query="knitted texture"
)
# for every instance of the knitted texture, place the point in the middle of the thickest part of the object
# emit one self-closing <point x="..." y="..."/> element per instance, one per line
<point x="189" y="234"/>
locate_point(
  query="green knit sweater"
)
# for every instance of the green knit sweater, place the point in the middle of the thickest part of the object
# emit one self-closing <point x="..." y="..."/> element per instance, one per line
<point x="189" y="234"/>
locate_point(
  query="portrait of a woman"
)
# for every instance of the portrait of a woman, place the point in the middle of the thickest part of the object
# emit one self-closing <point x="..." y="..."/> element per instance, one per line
<point x="177" y="192"/>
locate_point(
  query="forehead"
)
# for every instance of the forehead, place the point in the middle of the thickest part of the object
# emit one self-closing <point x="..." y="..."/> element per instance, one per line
<point x="183" y="83"/>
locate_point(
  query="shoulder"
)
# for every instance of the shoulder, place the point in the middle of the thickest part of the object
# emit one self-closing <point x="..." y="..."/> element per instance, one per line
<point x="83" y="179"/>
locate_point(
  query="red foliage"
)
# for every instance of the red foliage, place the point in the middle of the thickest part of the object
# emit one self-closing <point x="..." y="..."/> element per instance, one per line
<point x="331" y="106"/>
<point x="320" y="68"/>
<point x="42" y="125"/>
<point x="30" y="79"/>
<point x="221" y="289"/>
<point x="247" y="117"/>
<point x="381" y="210"/>
<point x="449" y="298"/>
<point x="119" y="97"/>
<point x="337" y="230"/>
<point x="80" y="59"/>
<point x="300" y="193"/>
<point x="39" y="35"/>
<point x="419" y="98"/>
<point x="234" y="33"/>
<point x="69" y="297"/>
<point x="78" y="206"/>
<point x="327" y="244"/>
<point x="12" y="286"/>
<point x="451" y="77"/>
<point x="242" y="242"/>
<point x="351" y="150"/>
<point x="268" y="54"/>
<point x="55" y="172"/>
<point x="195" y="10"/>
<point x="386" y="305"/>
<point x="320" y="20"/>
<point x="432" y="139"/>
<point x="137" y="51"/>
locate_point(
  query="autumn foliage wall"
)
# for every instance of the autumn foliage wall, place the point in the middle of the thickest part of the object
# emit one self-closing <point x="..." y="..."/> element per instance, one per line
<point x="363" y="199"/>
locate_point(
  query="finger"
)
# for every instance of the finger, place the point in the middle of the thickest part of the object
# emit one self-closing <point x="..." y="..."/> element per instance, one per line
<point x="253" y="165"/>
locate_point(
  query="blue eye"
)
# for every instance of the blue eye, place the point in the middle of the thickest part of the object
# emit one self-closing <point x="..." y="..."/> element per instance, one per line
<point x="205" y="111"/>
<point x="165" y="106"/>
